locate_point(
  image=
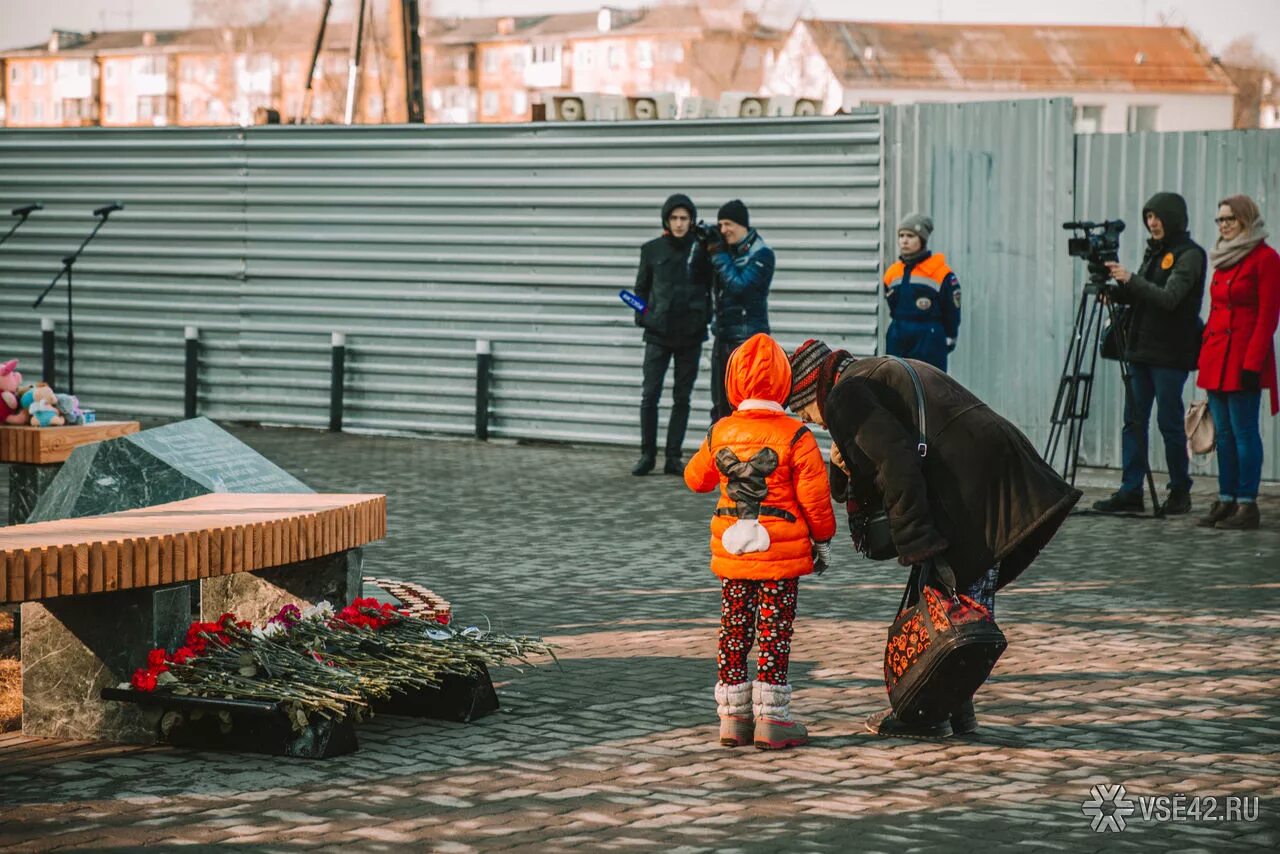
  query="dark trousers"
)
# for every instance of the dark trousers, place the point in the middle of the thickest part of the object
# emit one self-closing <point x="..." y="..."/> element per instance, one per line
<point x="723" y="349"/>
<point x="656" y="359"/>
<point x="1162" y="387"/>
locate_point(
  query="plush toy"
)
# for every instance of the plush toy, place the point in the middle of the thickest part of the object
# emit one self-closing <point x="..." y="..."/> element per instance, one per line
<point x="42" y="404"/>
<point x="69" y="407"/>
<point x="11" y="408"/>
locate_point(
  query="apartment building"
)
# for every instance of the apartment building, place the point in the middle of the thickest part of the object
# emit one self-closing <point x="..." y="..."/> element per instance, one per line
<point x="1121" y="78"/>
<point x="158" y="78"/>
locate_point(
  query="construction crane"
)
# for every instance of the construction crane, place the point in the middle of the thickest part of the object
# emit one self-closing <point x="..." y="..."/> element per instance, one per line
<point x="411" y="48"/>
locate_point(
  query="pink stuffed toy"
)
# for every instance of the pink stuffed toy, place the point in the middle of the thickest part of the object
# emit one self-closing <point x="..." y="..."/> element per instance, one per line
<point x="11" y="409"/>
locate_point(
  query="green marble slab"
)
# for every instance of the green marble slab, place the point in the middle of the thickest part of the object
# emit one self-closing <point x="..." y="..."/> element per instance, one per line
<point x="156" y="466"/>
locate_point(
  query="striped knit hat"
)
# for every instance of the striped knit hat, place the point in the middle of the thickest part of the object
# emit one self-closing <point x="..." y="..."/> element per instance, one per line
<point x="806" y="362"/>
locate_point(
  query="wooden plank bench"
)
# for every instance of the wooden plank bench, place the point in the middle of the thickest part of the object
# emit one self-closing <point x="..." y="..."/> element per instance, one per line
<point x="42" y="446"/>
<point x="98" y="592"/>
<point x="36" y="454"/>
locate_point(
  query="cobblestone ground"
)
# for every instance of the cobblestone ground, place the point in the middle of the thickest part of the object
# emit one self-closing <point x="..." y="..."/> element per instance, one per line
<point x="1143" y="653"/>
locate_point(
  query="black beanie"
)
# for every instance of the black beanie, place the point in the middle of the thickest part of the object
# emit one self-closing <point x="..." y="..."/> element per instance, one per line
<point x="735" y="211"/>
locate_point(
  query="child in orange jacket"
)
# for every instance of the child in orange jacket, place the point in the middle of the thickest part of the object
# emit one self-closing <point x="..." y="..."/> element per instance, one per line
<point x="773" y="516"/>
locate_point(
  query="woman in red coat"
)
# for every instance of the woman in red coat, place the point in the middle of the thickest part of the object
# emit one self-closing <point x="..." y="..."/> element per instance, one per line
<point x="1237" y="360"/>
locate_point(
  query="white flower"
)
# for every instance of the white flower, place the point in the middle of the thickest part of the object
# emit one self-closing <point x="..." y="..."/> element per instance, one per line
<point x="320" y="611"/>
<point x="272" y="629"/>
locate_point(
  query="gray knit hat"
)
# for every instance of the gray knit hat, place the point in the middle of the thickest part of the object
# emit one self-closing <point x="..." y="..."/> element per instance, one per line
<point x="918" y="224"/>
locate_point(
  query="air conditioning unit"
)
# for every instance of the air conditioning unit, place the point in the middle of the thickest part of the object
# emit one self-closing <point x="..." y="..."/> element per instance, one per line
<point x="791" y="105"/>
<point x="659" y="105"/>
<point x="699" y="108"/>
<point x="584" y="106"/>
<point x="744" y="105"/>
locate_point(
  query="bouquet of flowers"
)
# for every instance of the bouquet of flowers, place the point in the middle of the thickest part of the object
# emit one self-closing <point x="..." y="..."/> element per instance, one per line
<point x="321" y="661"/>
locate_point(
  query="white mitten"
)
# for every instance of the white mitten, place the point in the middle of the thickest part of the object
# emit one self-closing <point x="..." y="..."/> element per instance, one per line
<point x="745" y="536"/>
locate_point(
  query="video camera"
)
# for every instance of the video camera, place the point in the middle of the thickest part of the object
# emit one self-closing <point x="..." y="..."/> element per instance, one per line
<point x="1098" y="243"/>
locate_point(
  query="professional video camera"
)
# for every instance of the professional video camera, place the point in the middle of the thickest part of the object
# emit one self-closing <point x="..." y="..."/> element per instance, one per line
<point x="1098" y="244"/>
<point x="708" y="234"/>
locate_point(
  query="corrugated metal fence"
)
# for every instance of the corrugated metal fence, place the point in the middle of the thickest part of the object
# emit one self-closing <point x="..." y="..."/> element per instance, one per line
<point x="1115" y="175"/>
<point x="416" y="242"/>
<point x="997" y="179"/>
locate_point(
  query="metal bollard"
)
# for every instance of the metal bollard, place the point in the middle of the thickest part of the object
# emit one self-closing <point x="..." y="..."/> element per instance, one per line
<point x="191" y="384"/>
<point x="484" y="367"/>
<point x="337" y="375"/>
<point x="49" y="351"/>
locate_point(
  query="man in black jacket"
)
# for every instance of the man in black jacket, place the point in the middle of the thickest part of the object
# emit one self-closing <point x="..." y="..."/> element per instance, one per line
<point x="674" y="280"/>
<point x="1162" y="346"/>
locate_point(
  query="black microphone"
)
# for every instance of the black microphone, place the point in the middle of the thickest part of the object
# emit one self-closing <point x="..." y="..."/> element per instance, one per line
<point x="27" y="209"/>
<point x="105" y="210"/>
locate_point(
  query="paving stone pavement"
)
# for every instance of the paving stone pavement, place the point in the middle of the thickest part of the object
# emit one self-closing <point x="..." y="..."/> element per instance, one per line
<point x="1144" y="653"/>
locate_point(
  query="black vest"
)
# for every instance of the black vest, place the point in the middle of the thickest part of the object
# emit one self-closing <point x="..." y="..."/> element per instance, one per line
<point x="1164" y="338"/>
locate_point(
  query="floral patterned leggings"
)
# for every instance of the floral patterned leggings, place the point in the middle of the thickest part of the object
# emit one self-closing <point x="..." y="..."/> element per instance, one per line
<point x="751" y="610"/>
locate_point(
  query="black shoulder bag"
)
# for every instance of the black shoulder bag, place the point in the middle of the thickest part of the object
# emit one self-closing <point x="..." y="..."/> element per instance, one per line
<point x="868" y="527"/>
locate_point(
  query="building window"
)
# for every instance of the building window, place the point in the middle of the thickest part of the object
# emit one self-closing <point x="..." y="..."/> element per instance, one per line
<point x="519" y="102"/>
<point x="490" y="103"/>
<point x="1140" y="118"/>
<point x="17" y="112"/>
<point x="111" y="71"/>
<point x="375" y="107"/>
<point x="615" y="57"/>
<point x="490" y="61"/>
<point x="437" y="100"/>
<point x="518" y="59"/>
<point x="57" y="111"/>
<point x="644" y="54"/>
<point x="110" y="108"/>
<point x="37" y="74"/>
<point x="584" y="55"/>
<point x="15" y="75"/>
<point x="153" y="65"/>
<point x="144" y="109"/>
<point x="37" y="111"/>
<point x="1088" y="118"/>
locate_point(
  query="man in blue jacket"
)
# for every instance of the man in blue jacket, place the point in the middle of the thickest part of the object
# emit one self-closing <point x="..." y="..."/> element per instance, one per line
<point x="743" y="266"/>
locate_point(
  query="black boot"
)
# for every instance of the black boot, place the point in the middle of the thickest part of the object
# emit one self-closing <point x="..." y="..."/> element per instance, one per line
<point x="1120" y="502"/>
<point x="884" y="723"/>
<point x="963" y="720"/>
<point x="1218" y="511"/>
<point x="674" y="465"/>
<point x="1245" y="518"/>
<point x="1178" y="503"/>
<point x="644" y="465"/>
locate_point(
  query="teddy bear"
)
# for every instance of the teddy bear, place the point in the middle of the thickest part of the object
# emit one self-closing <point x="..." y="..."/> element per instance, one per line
<point x="42" y="404"/>
<point x="11" y="409"/>
<point x="69" y="407"/>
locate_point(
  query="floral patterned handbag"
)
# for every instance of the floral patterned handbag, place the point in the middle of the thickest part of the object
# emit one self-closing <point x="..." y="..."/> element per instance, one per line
<point x="941" y="648"/>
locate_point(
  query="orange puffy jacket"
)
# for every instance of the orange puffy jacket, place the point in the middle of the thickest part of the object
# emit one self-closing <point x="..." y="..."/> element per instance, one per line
<point x="768" y="467"/>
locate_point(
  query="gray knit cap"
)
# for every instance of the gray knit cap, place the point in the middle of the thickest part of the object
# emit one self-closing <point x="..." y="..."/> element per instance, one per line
<point x="918" y="224"/>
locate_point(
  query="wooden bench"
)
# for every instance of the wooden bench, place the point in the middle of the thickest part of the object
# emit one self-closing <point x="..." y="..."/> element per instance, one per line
<point x="42" y="446"/>
<point x="35" y="455"/>
<point x="98" y="592"/>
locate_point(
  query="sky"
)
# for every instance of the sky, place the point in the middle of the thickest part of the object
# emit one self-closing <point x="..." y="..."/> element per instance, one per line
<point x="25" y="22"/>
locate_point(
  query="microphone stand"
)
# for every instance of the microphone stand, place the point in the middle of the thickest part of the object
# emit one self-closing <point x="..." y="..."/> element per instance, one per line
<point x="67" y="264"/>
<point x="22" y="217"/>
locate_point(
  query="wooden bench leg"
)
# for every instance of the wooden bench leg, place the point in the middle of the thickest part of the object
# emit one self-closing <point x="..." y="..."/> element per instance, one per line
<point x="74" y="647"/>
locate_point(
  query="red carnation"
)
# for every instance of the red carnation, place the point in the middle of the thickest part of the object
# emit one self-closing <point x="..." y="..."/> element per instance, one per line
<point x="144" y="680"/>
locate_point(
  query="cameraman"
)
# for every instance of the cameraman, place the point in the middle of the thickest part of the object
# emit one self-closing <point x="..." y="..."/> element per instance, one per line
<point x="743" y="266"/>
<point x="677" y="294"/>
<point x="1162" y="343"/>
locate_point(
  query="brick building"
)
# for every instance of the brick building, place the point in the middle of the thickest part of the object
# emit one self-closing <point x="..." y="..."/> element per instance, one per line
<point x="1122" y="78"/>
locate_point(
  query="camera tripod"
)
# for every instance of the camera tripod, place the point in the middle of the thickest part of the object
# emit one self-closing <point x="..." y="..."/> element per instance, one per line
<point x="1075" y="387"/>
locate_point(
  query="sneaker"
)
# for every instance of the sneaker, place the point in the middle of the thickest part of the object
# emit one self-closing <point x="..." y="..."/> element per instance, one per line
<point x="674" y="465"/>
<point x="884" y="723"/>
<point x="1218" y="511"/>
<point x="644" y="465"/>
<point x="1245" y="518"/>
<point x="964" y="721"/>
<point x="1120" y="502"/>
<point x="1178" y="503"/>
